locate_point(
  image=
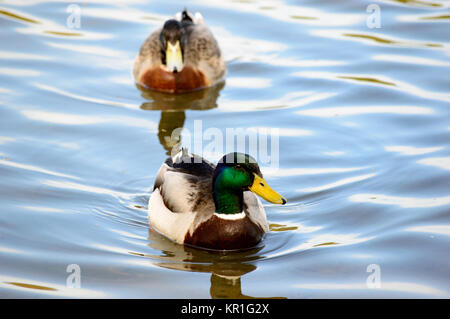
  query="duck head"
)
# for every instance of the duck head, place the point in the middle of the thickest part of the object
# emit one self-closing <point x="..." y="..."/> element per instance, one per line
<point x="173" y="40"/>
<point x="238" y="172"/>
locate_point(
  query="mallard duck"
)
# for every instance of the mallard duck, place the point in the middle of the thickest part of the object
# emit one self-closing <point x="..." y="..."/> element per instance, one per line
<point x="195" y="202"/>
<point x="181" y="56"/>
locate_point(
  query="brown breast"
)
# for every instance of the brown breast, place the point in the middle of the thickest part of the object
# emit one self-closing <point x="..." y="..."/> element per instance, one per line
<point x="223" y="234"/>
<point x="187" y="80"/>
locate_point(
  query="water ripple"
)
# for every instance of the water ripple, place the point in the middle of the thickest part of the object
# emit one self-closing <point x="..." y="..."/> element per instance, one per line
<point x="351" y="111"/>
<point x="361" y="117"/>
<point x="404" y="202"/>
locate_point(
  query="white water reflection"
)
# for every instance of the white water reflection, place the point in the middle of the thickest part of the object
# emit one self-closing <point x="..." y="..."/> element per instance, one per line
<point x="76" y="119"/>
<point x="334" y="153"/>
<point x="7" y="250"/>
<point x="281" y="131"/>
<point x="245" y="49"/>
<point x="411" y="150"/>
<point x="376" y="39"/>
<point x="4" y="139"/>
<point x="47" y="289"/>
<point x="62" y="118"/>
<point x="84" y="98"/>
<point x="440" y="162"/>
<point x="410" y="60"/>
<point x="249" y="83"/>
<point x="90" y="50"/>
<point x="289" y="62"/>
<point x="404" y="202"/>
<point x="22" y="56"/>
<point x="417" y="3"/>
<point x="385" y="286"/>
<point x="282" y="172"/>
<point x="423" y="18"/>
<point x="322" y="241"/>
<point x="61" y="32"/>
<point x="5" y="91"/>
<point x="359" y="110"/>
<point x="289" y="13"/>
<point x="128" y="14"/>
<point x="19" y="72"/>
<point x="43" y="209"/>
<point x="42" y="27"/>
<point x="338" y="183"/>
<point x="295" y="99"/>
<point x="434" y="229"/>
<point x="118" y="3"/>
<point x="112" y="249"/>
<point x="85" y="188"/>
<point x="377" y="80"/>
<point x="34" y="169"/>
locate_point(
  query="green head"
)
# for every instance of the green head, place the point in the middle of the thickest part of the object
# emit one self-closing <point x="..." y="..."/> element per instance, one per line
<point x="234" y="174"/>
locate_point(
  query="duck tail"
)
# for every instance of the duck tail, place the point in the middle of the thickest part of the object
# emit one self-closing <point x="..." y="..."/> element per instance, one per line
<point x="186" y="16"/>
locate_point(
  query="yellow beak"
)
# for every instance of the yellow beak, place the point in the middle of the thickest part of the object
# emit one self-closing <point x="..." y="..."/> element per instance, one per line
<point x="261" y="188"/>
<point x="174" y="57"/>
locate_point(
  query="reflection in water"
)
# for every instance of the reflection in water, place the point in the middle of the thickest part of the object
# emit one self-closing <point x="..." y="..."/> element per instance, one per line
<point x="204" y="99"/>
<point x="366" y="79"/>
<point x="47" y="289"/>
<point x="29" y="286"/>
<point x="390" y="41"/>
<point x="440" y="162"/>
<point x="8" y="162"/>
<point x="405" y="202"/>
<point x="434" y="229"/>
<point x="341" y="182"/>
<point x="226" y="268"/>
<point x="411" y="150"/>
<point x="352" y="110"/>
<point x="321" y="240"/>
<point x="396" y="58"/>
<point x="173" y="108"/>
<point x="17" y="16"/>
<point x="375" y="39"/>
<point x="418" y="3"/>
<point x="169" y="122"/>
<point x="370" y="80"/>
<point x="406" y="287"/>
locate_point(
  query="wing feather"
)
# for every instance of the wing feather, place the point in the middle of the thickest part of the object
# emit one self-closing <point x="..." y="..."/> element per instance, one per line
<point x="184" y="182"/>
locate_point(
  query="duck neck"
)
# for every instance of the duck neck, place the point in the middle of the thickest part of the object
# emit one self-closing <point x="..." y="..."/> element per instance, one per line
<point x="227" y="201"/>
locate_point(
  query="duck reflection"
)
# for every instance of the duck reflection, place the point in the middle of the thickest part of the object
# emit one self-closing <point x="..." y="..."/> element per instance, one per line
<point x="227" y="269"/>
<point x="173" y="107"/>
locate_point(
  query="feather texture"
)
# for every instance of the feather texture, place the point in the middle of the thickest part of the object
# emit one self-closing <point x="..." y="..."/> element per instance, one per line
<point x="203" y="61"/>
<point x="182" y="199"/>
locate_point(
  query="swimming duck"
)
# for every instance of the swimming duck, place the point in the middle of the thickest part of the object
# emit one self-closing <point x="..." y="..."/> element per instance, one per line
<point x="195" y="202"/>
<point x="181" y="56"/>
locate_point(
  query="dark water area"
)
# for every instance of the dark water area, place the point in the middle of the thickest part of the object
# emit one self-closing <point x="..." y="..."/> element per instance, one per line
<point x="363" y="119"/>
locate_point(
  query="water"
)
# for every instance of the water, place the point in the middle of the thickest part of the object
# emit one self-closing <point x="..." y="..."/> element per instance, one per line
<point x="364" y="148"/>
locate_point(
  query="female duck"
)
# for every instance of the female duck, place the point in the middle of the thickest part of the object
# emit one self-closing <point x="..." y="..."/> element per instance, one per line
<point x="198" y="203"/>
<point x="179" y="57"/>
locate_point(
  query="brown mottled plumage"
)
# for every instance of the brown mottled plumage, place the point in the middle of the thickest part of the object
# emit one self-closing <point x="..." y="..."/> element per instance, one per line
<point x="203" y="63"/>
